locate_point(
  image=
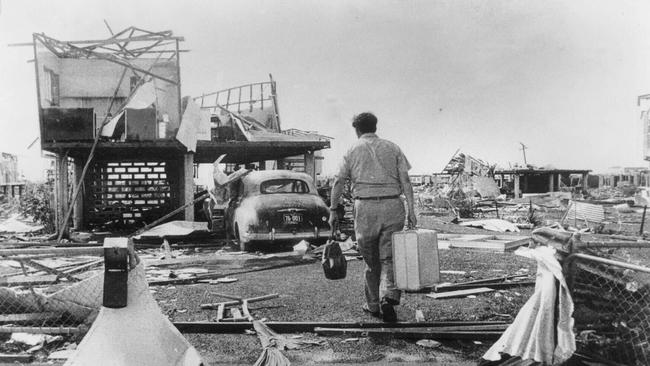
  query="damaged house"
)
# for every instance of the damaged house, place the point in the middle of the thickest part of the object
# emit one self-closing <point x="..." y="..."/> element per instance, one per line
<point x="520" y="181"/>
<point x="114" y="110"/>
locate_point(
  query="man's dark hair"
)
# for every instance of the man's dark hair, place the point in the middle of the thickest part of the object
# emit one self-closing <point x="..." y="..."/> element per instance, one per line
<point x="365" y="122"/>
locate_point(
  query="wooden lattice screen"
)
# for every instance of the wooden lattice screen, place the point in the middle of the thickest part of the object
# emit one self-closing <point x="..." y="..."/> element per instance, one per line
<point x="128" y="193"/>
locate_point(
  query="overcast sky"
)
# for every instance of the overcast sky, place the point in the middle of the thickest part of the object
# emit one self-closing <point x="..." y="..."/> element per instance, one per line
<point x="560" y="76"/>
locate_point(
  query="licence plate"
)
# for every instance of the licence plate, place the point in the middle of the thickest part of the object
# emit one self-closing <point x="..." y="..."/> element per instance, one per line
<point x="292" y="218"/>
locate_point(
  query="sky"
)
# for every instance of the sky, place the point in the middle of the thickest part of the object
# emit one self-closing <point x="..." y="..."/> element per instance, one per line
<point x="562" y="77"/>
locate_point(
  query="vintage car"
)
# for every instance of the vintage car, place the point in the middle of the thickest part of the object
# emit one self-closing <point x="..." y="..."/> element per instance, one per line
<point x="276" y="206"/>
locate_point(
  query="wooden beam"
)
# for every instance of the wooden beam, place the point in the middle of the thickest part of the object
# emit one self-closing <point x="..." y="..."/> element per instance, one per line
<point x="413" y="333"/>
<point x="78" y="211"/>
<point x="28" y="318"/>
<point x="188" y="186"/>
<point x="494" y="286"/>
<point x="21" y="358"/>
<point x="47" y="269"/>
<point x="44" y="330"/>
<point x="237" y="302"/>
<point x="460" y="293"/>
<point x="28" y="280"/>
<point x="516" y="188"/>
<point x="301" y="327"/>
<point x="53" y="252"/>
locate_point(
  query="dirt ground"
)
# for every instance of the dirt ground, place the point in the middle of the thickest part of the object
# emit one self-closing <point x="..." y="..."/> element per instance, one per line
<point x="305" y="295"/>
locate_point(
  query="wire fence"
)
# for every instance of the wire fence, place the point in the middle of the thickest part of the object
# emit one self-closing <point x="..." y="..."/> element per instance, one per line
<point x="50" y="290"/>
<point x="612" y="305"/>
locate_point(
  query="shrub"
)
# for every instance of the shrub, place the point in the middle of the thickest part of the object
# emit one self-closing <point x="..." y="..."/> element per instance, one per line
<point x="37" y="204"/>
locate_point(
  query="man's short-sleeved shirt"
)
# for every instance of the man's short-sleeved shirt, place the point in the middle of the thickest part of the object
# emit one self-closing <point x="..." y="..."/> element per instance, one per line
<point x="374" y="165"/>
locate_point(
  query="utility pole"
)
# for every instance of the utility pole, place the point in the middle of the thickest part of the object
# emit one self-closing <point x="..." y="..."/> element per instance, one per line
<point x="523" y="148"/>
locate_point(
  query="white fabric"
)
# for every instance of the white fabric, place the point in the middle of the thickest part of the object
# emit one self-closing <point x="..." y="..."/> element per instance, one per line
<point x="143" y="97"/>
<point x="109" y="128"/>
<point x="204" y="130"/>
<point x="139" y="334"/>
<point x="533" y="334"/>
<point x="195" y="125"/>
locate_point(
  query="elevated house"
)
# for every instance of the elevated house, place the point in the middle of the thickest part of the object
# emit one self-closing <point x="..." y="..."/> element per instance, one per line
<point x="113" y="108"/>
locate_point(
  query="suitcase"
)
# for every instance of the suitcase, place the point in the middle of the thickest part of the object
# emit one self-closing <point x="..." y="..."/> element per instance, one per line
<point x="415" y="259"/>
<point x="334" y="264"/>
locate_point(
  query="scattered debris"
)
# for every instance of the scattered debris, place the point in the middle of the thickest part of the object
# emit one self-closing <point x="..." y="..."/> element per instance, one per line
<point x="419" y="316"/>
<point x="428" y="343"/>
<point x="492" y="225"/>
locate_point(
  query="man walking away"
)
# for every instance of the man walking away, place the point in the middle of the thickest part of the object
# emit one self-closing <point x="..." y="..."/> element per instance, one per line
<point x="378" y="171"/>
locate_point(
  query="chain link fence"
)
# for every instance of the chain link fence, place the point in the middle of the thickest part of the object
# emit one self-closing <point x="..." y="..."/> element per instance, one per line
<point x="50" y="290"/>
<point x="612" y="303"/>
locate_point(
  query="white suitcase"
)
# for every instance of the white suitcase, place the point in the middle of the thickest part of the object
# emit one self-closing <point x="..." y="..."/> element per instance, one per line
<point x="415" y="259"/>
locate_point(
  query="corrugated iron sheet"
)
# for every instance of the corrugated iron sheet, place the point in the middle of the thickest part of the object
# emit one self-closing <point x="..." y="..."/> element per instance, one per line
<point x="581" y="211"/>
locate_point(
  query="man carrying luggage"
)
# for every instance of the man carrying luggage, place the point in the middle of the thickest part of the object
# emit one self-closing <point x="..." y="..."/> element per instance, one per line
<point x="378" y="171"/>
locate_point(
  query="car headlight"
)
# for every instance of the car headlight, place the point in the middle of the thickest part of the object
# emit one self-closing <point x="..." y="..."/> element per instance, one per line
<point x="324" y="218"/>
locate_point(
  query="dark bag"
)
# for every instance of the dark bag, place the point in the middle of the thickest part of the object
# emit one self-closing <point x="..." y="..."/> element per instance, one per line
<point x="334" y="264"/>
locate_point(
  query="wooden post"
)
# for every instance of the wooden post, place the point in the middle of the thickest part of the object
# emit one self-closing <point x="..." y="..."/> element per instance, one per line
<point x="188" y="185"/>
<point x="585" y="184"/>
<point x="310" y="164"/>
<point x="516" y="185"/>
<point x="643" y="220"/>
<point x="78" y="213"/>
<point x="61" y="189"/>
<point x="550" y="183"/>
<point x="116" y="272"/>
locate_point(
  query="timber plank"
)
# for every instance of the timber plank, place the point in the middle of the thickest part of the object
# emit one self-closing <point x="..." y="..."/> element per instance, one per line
<point x="460" y="293"/>
<point x="412" y="333"/>
<point x="13" y="358"/>
<point x="27" y="317"/>
<point x="27" y="280"/>
<point x="300" y="327"/>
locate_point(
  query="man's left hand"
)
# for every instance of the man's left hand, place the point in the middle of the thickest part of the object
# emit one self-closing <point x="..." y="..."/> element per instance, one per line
<point x="412" y="220"/>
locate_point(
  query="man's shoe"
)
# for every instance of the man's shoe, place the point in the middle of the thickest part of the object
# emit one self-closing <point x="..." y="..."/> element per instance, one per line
<point x="388" y="312"/>
<point x="375" y="314"/>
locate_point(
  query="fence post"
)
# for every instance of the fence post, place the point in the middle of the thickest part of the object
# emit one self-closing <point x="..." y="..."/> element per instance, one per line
<point x="643" y="220"/>
<point x="116" y="272"/>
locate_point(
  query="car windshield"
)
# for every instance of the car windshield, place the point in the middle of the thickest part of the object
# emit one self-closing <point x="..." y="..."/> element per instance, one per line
<point x="284" y="186"/>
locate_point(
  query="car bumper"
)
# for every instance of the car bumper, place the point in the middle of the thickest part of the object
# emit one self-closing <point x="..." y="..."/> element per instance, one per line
<point x="298" y="235"/>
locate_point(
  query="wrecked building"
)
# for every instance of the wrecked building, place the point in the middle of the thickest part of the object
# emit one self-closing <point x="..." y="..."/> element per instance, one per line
<point x="11" y="184"/>
<point x="621" y="176"/>
<point x="534" y="180"/>
<point x="113" y="110"/>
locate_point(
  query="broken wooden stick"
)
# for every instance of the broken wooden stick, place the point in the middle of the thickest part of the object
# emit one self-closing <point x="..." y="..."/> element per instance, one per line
<point x="234" y="303"/>
<point x="493" y="286"/>
<point x="413" y="333"/>
<point x="460" y="293"/>
<point x="220" y="310"/>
